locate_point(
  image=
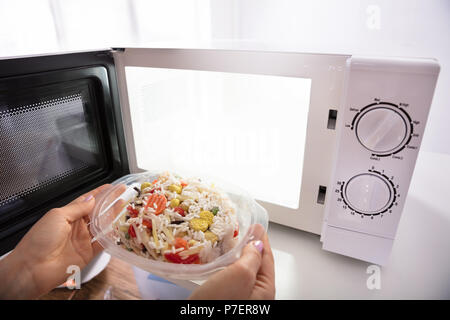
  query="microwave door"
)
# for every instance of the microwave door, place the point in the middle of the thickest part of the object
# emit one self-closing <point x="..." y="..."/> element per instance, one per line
<point x="59" y="135"/>
<point x="262" y="120"/>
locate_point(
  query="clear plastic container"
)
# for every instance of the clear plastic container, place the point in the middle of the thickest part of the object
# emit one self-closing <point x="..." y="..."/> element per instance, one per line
<point x="111" y="203"/>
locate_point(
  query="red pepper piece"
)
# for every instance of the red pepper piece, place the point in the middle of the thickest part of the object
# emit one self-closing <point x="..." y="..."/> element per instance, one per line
<point x="193" y="258"/>
<point x="133" y="212"/>
<point x="175" y="258"/>
<point x="131" y="232"/>
<point x="180" y="211"/>
<point x="172" y="257"/>
<point x="147" y="223"/>
<point x="181" y="243"/>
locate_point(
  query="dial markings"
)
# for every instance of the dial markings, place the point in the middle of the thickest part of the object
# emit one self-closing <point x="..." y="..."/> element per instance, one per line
<point x="401" y="114"/>
<point x="392" y="196"/>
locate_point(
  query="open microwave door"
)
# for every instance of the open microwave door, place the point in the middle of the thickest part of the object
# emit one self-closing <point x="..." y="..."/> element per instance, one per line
<point x="262" y="120"/>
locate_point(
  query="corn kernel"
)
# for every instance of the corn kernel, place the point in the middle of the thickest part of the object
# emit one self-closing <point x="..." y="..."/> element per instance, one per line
<point x="145" y="185"/>
<point x="124" y="228"/>
<point x="174" y="203"/>
<point x="184" y="206"/>
<point x="198" y="224"/>
<point x="211" y="236"/>
<point x="175" y="188"/>
<point x="208" y="216"/>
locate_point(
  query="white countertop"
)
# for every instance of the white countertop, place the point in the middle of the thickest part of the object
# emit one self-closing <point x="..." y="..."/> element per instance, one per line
<point x="419" y="266"/>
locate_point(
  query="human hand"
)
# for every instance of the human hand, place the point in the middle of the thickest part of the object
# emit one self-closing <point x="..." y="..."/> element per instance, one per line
<point x="59" y="239"/>
<point x="252" y="276"/>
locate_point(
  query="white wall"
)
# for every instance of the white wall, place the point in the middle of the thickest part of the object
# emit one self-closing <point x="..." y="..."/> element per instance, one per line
<point x="383" y="27"/>
<point x="38" y="26"/>
<point x="411" y="28"/>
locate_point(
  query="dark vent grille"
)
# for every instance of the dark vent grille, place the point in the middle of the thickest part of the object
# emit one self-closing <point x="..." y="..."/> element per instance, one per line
<point x="43" y="143"/>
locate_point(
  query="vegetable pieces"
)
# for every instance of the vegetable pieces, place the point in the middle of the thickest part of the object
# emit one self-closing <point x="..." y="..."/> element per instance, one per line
<point x="178" y="258"/>
<point x="180" y="211"/>
<point x="132" y="211"/>
<point x="131" y="232"/>
<point x="199" y="224"/>
<point x="174" y="202"/>
<point x="145" y="185"/>
<point x="175" y="258"/>
<point x="147" y="224"/>
<point x="181" y="243"/>
<point x="210" y="236"/>
<point x="236" y="232"/>
<point x="208" y="216"/>
<point x="175" y="188"/>
<point x="165" y="222"/>
<point x="157" y="202"/>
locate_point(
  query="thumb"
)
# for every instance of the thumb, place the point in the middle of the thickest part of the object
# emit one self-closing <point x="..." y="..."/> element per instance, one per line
<point x="76" y="210"/>
<point x="251" y="257"/>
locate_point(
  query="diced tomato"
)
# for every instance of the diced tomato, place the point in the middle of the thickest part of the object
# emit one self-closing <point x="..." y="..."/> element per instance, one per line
<point x="157" y="202"/>
<point x="131" y="232"/>
<point x="133" y="212"/>
<point x="193" y="258"/>
<point x="236" y="232"/>
<point x="147" y="223"/>
<point x="175" y="258"/>
<point x="172" y="257"/>
<point x="183" y="184"/>
<point x="180" y="211"/>
<point x="181" y="243"/>
<point x="155" y="181"/>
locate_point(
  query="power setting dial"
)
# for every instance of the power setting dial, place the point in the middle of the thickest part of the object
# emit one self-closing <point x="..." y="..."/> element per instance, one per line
<point x="383" y="128"/>
<point x="369" y="194"/>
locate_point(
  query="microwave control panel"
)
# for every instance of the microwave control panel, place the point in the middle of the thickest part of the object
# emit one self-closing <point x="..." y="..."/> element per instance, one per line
<point x="385" y="111"/>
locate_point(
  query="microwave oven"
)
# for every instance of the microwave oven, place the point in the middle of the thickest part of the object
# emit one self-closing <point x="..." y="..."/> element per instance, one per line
<point x="327" y="143"/>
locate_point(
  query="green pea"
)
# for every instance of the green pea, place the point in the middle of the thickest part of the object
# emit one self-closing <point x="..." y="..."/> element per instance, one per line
<point x="215" y="210"/>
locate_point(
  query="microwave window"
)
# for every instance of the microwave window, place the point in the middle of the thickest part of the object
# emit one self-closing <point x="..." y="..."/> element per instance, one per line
<point x="48" y="141"/>
<point x="247" y="129"/>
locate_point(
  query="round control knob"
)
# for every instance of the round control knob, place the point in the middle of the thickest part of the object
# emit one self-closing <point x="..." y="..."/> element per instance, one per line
<point x="382" y="129"/>
<point x="368" y="193"/>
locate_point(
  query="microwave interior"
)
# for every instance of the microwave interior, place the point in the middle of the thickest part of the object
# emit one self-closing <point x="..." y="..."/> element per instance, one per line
<point x="59" y="135"/>
<point x="71" y="122"/>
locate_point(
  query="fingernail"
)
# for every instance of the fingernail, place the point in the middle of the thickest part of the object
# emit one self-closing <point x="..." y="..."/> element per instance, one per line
<point x="88" y="198"/>
<point x="258" y="245"/>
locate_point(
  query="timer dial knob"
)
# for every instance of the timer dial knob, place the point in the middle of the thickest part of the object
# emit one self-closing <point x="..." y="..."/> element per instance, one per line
<point x="368" y="193"/>
<point x="383" y="129"/>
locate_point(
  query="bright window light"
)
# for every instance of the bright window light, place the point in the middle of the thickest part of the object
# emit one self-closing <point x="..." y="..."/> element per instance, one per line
<point x="26" y="27"/>
<point x="246" y="129"/>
